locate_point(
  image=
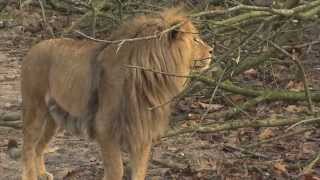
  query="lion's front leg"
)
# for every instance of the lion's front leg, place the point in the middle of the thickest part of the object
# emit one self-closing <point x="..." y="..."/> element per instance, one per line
<point x="111" y="157"/>
<point x="139" y="161"/>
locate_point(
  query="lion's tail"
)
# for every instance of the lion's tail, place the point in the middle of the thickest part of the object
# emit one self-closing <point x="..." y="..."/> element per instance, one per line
<point x="14" y="151"/>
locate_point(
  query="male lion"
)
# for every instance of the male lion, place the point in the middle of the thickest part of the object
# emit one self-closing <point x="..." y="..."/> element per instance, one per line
<point x="86" y="87"/>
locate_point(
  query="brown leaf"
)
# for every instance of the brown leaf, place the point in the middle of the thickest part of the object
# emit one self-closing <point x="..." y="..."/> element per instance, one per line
<point x="189" y="123"/>
<point x="266" y="133"/>
<point x="294" y="108"/>
<point x="211" y="107"/>
<point x="250" y="73"/>
<point x="236" y="98"/>
<point x="280" y="167"/>
<point x="295" y="86"/>
<point x="290" y="84"/>
<point x="299" y="87"/>
<point x="310" y="177"/>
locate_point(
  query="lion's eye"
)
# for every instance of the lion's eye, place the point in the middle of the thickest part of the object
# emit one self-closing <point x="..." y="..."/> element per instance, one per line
<point x="198" y="41"/>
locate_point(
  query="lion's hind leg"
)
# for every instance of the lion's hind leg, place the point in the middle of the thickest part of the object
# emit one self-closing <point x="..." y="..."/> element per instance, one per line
<point x="48" y="133"/>
<point x="36" y="136"/>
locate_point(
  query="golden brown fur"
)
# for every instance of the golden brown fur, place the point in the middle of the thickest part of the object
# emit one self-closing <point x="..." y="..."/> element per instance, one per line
<point x="85" y="87"/>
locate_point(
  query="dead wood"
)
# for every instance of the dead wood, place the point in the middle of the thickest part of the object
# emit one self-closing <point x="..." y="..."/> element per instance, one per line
<point x="237" y="124"/>
<point x="268" y="94"/>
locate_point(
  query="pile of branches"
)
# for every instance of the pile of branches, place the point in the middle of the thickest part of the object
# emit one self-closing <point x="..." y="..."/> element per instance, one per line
<point x="248" y="35"/>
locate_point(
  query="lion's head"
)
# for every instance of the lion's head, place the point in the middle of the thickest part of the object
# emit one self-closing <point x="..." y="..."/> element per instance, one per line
<point x="183" y="43"/>
<point x="187" y="39"/>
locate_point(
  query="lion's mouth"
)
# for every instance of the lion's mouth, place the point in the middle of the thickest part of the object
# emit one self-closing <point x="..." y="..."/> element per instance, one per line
<point x="201" y="64"/>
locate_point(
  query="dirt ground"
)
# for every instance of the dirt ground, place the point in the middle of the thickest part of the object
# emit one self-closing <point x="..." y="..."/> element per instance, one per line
<point x="190" y="156"/>
<point x="70" y="157"/>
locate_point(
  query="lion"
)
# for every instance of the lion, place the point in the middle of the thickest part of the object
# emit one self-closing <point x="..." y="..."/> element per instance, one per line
<point x="85" y="87"/>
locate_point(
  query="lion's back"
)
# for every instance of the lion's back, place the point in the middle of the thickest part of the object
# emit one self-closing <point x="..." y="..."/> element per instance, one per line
<point x="60" y="67"/>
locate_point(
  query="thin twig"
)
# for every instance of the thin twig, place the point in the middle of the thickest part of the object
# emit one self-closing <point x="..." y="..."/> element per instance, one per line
<point x="45" y="19"/>
<point x="291" y="134"/>
<point x="213" y="94"/>
<point x="232" y="125"/>
<point x="94" y="19"/>
<point x="310" y="166"/>
<point x="166" y="164"/>
<point x="157" y="35"/>
<point x="85" y="16"/>
<point x="20" y="4"/>
<point x="302" y="45"/>
<point x="172" y="99"/>
<point x="245" y="106"/>
<point x="120" y="7"/>
<point x="303" y="122"/>
<point x="254" y="62"/>
<point x="304" y="80"/>
<point x="158" y="72"/>
<point x="282" y="12"/>
<point x="296" y="60"/>
<point x="246" y="151"/>
<point x="77" y="3"/>
<point x="162" y="104"/>
<point x="164" y="73"/>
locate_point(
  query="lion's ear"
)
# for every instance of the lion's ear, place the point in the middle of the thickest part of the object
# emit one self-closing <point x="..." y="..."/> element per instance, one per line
<point x="174" y="34"/>
<point x="177" y="32"/>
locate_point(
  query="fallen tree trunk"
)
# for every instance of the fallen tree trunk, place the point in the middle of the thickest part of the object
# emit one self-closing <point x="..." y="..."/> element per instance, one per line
<point x="267" y="93"/>
<point x="232" y="125"/>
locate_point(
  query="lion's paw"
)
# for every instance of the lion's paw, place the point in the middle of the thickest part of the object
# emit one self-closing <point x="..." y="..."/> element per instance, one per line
<point x="46" y="176"/>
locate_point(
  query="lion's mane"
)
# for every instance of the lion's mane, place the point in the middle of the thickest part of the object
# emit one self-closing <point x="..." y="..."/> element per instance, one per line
<point x="135" y="122"/>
